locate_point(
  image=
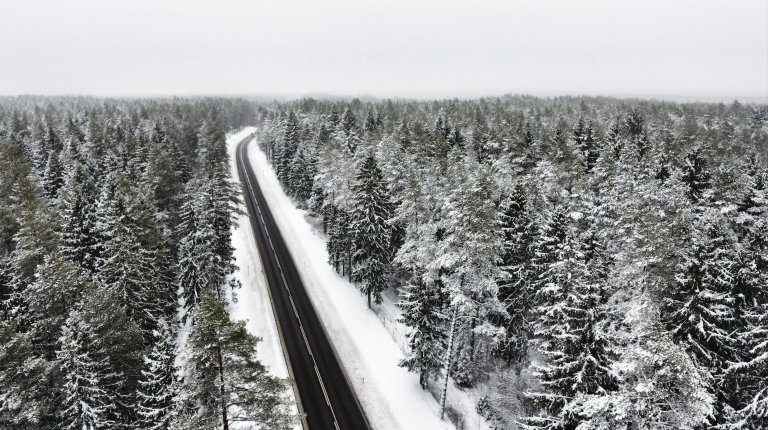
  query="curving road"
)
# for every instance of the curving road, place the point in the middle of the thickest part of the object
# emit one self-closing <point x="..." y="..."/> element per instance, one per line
<point x="324" y="394"/>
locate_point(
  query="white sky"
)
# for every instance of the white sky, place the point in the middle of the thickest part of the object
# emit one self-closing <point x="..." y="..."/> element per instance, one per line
<point x="662" y="48"/>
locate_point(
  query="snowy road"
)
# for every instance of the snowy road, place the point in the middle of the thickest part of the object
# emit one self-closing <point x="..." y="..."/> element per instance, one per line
<point x="325" y="395"/>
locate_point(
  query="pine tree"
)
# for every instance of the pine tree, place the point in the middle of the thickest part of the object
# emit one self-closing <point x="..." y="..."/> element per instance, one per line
<point x="470" y="256"/>
<point x="36" y="236"/>
<point x="226" y="382"/>
<point x="371" y="230"/>
<point x="157" y="382"/>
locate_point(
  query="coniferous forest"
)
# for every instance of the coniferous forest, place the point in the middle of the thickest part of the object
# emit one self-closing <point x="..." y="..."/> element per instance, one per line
<point x="593" y="263"/>
<point x="115" y="233"/>
<point x="585" y="263"/>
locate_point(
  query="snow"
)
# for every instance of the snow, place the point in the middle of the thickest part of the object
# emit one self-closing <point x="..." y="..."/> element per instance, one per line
<point x="390" y="395"/>
<point x="251" y="302"/>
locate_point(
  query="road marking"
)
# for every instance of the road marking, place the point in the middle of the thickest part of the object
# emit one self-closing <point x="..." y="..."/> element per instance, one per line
<point x="285" y="284"/>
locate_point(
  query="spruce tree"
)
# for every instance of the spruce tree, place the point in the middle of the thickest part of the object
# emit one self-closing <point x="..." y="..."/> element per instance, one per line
<point x="423" y="308"/>
<point x="659" y="386"/>
<point x="517" y="285"/>
<point x="371" y="230"/>
<point x="288" y="144"/>
<point x="695" y="175"/>
<point x="133" y="261"/>
<point x="100" y="360"/>
<point x="54" y="294"/>
<point x="24" y="397"/>
<point x="205" y="253"/>
<point x="699" y="308"/>
<point x="569" y="332"/>
<point x="53" y="177"/>
<point x="80" y="236"/>
<point x="157" y="383"/>
<point x="86" y="404"/>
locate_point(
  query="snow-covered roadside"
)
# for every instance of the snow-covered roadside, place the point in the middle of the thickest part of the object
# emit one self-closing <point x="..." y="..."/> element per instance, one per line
<point x="390" y="395"/>
<point x="252" y="303"/>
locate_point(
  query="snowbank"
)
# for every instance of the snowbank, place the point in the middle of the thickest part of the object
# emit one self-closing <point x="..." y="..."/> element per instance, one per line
<point x="390" y="395"/>
<point x="252" y="299"/>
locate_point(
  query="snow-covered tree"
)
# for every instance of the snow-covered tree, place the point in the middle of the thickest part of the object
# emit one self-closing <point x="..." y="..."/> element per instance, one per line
<point x="659" y="386"/>
<point x="134" y="261"/>
<point x="570" y="334"/>
<point x="699" y="309"/>
<point x="423" y="307"/>
<point x="80" y="237"/>
<point x="517" y="285"/>
<point x="100" y="359"/>
<point x="225" y="382"/>
<point x="157" y="383"/>
<point x="371" y="230"/>
<point x="23" y="376"/>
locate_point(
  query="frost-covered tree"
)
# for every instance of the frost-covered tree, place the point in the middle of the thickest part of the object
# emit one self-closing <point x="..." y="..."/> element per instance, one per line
<point x="80" y="236"/>
<point x="569" y="332"/>
<point x="157" y="384"/>
<point x="371" y="230"/>
<point x="517" y="285"/>
<point x="699" y="309"/>
<point x="55" y="292"/>
<point x="23" y="376"/>
<point x="86" y="404"/>
<point x="424" y="313"/>
<point x="100" y="359"/>
<point x="134" y="261"/>
<point x="205" y="254"/>
<point x="225" y="382"/>
<point x="286" y="148"/>
<point x="659" y="386"/>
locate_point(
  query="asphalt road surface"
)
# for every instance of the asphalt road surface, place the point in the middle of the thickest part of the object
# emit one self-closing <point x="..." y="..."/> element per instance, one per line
<point x="325" y="395"/>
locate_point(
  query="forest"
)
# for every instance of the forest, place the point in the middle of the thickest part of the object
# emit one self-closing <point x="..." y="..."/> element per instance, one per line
<point x="585" y="263"/>
<point x="116" y="266"/>
<point x="592" y="263"/>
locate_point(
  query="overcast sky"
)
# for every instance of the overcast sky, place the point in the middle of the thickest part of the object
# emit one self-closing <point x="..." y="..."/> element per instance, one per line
<point x="410" y="48"/>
